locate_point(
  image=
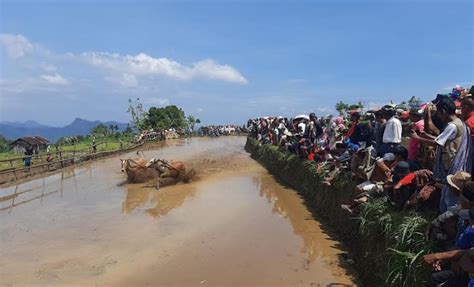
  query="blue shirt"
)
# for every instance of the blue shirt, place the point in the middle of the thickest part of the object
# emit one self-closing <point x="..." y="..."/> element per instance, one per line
<point x="466" y="239"/>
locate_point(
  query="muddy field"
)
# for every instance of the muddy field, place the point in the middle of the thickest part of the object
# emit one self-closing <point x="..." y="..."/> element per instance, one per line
<point x="233" y="226"/>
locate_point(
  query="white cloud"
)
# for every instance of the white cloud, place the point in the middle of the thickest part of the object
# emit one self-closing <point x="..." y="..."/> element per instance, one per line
<point x="124" y="70"/>
<point x="325" y="110"/>
<point x="16" y="46"/>
<point x="156" y="101"/>
<point x="145" y="65"/>
<point x="55" y="79"/>
<point x="129" y="81"/>
<point x="212" y="70"/>
<point x="200" y="110"/>
<point x="48" y="67"/>
<point x="30" y="84"/>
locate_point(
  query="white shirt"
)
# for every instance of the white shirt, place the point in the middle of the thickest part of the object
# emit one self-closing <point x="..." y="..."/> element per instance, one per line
<point x="302" y="127"/>
<point x="393" y="131"/>
<point x="449" y="133"/>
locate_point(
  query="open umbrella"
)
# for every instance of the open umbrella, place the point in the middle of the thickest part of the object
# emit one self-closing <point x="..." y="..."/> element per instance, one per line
<point x="305" y="117"/>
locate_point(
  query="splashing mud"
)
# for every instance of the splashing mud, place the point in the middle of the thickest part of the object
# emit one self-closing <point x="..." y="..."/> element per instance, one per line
<point x="234" y="225"/>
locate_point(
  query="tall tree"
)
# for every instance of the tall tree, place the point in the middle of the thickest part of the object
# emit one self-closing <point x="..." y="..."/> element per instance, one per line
<point x="341" y="107"/>
<point x="165" y="118"/>
<point x="100" y="130"/>
<point x="135" y="108"/>
<point x="191" y="121"/>
<point x="4" y="144"/>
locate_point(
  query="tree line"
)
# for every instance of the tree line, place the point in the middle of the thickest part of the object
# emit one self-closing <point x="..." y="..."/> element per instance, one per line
<point x="160" y="119"/>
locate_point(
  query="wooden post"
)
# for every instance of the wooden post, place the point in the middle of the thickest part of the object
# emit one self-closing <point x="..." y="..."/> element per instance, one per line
<point x="13" y="199"/>
<point x="61" y="158"/>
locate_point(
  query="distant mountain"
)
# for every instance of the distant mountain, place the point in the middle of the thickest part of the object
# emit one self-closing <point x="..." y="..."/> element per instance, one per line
<point x="30" y="124"/>
<point x="13" y="130"/>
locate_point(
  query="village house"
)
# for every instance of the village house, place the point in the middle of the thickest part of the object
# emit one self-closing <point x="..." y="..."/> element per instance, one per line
<point x="36" y="143"/>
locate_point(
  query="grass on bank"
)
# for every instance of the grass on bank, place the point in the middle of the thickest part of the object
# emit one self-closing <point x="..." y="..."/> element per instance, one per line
<point x="84" y="146"/>
<point x="387" y="244"/>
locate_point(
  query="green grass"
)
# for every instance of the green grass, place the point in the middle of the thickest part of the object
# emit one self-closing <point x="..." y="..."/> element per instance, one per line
<point x="386" y="244"/>
<point x="82" y="147"/>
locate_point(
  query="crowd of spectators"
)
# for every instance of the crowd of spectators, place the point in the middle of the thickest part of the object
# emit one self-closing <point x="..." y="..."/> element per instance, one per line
<point x="151" y="135"/>
<point x="221" y="130"/>
<point x="419" y="157"/>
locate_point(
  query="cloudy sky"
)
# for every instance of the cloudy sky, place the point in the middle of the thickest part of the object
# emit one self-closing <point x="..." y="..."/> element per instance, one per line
<point x="225" y="61"/>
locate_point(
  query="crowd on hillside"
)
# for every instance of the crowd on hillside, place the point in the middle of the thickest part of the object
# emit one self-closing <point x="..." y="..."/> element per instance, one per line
<point x="211" y="131"/>
<point x="151" y="135"/>
<point x="221" y="130"/>
<point x="417" y="156"/>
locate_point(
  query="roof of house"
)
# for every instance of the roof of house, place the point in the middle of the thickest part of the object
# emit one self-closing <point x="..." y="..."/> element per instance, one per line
<point x="33" y="140"/>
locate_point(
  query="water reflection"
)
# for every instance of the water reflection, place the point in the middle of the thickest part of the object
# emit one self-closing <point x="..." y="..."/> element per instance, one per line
<point x="39" y="189"/>
<point x="288" y="204"/>
<point x="160" y="202"/>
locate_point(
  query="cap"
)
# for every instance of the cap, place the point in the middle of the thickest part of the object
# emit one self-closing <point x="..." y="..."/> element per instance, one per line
<point x="388" y="157"/>
<point x="402" y="168"/>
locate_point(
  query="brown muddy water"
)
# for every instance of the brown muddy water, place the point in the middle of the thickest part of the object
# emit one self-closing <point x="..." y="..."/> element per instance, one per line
<point x="233" y="226"/>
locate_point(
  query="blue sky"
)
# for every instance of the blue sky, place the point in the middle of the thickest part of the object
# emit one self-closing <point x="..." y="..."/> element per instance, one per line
<point x="225" y="61"/>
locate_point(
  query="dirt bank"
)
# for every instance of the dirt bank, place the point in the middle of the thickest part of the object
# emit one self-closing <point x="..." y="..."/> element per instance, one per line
<point x="385" y="243"/>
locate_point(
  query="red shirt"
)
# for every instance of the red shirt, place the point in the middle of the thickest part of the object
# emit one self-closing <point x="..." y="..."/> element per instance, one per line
<point x="470" y="123"/>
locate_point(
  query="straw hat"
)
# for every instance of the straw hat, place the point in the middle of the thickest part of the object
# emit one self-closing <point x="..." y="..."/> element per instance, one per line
<point x="458" y="179"/>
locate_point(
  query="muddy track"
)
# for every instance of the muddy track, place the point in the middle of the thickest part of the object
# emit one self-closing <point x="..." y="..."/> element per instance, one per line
<point x="233" y="226"/>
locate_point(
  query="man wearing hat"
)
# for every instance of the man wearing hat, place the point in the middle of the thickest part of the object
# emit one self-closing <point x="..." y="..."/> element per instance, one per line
<point x="457" y="181"/>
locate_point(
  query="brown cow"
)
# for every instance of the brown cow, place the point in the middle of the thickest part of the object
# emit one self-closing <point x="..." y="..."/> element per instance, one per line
<point x="138" y="171"/>
<point x="163" y="172"/>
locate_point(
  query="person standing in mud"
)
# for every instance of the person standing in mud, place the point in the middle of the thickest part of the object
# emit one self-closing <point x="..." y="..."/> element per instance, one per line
<point x="94" y="146"/>
<point x="28" y="157"/>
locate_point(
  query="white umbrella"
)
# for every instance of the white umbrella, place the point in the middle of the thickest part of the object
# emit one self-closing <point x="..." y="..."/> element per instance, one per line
<point x="302" y="117"/>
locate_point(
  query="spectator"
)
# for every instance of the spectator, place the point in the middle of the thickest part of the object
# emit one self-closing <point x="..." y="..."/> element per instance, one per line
<point x="453" y="151"/>
<point x="418" y="126"/>
<point x="467" y="112"/>
<point x="392" y="135"/>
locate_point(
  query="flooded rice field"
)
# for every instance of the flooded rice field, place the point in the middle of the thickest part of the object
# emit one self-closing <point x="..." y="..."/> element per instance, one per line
<point x="233" y="226"/>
